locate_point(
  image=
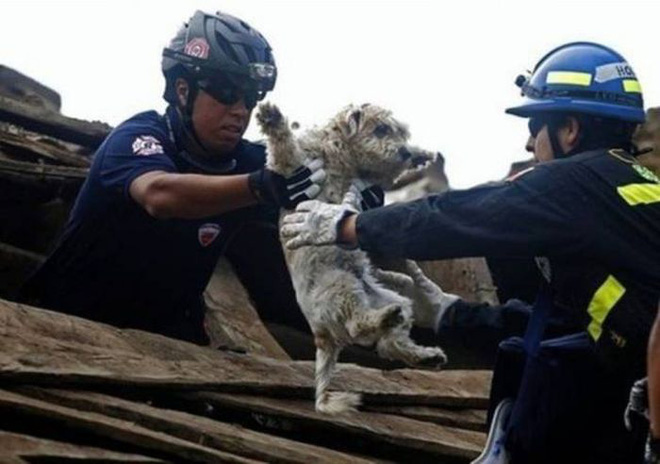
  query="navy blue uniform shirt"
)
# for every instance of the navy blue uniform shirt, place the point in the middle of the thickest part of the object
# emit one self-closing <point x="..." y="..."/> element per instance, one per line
<point x="117" y="264"/>
<point x="594" y="217"/>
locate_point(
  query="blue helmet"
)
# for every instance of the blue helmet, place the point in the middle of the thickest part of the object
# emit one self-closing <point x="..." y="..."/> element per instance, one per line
<point x="582" y="77"/>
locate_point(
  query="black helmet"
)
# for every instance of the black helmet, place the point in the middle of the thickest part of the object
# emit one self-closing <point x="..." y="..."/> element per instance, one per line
<point x="219" y="48"/>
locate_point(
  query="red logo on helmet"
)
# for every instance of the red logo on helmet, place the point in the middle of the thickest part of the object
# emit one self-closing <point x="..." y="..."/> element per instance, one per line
<point x="197" y="47"/>
<point x="207" y="233"/>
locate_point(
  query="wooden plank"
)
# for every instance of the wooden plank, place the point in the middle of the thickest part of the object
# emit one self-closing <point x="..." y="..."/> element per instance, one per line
<point x="212" y="433"/>
<point x="42" y="172"/>
<point x="46" y="347"/>
<point x="121" y="430"/>
<point x="28" y="146"/>
<point x="399" y="431"/>
<point x="41" y="120"/>
<point x="17" y="446"/>
<point x="470" y="419"/>
<point x="231" y="315"/>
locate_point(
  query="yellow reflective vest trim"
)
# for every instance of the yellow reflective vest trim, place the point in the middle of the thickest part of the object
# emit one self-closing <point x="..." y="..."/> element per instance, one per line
<point x="602" y="303"/>
<point x="640" y="194"/>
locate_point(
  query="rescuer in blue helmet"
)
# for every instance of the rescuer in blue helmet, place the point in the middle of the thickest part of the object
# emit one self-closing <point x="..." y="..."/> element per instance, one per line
<point x="589" y="214"/>
<point x="592" y="84"/>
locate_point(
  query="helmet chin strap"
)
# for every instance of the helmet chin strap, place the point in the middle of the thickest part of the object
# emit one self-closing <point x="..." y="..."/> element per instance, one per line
<point x="194" y="151"/>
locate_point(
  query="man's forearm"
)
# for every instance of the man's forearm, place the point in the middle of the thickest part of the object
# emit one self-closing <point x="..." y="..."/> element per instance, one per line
<point x="190" y="196"/>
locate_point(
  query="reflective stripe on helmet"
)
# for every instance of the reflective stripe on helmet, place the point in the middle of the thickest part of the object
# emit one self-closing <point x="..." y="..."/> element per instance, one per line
<point x="605" y="298"/>
<point x="631" y="85"/>
<point x="568" y="77"/>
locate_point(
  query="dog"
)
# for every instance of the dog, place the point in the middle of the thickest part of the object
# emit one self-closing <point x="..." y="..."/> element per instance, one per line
<point x="344" y="296"/>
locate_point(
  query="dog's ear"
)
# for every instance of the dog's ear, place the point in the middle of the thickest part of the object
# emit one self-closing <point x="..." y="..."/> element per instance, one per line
<point x="352" y="122"/>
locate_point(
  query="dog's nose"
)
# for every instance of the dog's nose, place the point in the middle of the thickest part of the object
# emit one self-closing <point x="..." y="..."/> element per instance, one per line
<point x="404" y="154"/>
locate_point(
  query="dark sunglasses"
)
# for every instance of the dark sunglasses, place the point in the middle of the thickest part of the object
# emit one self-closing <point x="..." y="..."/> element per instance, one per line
<point x="536" y="125"/>
<point x="229" y="94"/>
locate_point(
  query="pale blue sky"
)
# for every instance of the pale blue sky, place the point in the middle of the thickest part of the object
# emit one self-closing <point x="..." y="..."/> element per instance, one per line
<point x="445" y="68"/>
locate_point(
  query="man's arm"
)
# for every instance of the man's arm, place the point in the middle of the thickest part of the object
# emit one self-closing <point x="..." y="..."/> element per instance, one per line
<point x="189" y="196"/>
<point x="531" y="217"/>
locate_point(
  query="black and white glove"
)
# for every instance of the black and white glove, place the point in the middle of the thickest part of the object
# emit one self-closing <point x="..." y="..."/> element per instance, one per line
<point x="638" y="404"/>
<point x="317" y="223"/>
<point x="371" y="195"/>
<point x="652" y="451"/>
<point x="286" y="192"/>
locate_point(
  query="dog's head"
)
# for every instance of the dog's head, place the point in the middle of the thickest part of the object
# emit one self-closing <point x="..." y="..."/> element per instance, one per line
<point x="373" y="145"/>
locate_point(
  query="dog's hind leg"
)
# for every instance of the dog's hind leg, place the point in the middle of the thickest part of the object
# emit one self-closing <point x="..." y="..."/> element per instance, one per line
<point x="371" y="323"/>
<point x="397" y="345"/>
<point x="327" y="353"/>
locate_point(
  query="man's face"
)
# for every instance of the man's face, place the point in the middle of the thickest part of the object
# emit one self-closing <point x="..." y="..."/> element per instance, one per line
<point x="540" y="146"/>
<point x="219" y="127"/>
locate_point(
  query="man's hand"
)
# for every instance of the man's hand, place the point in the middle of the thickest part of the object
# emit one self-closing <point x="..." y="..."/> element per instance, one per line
<point x="286" y="192"/>
<point x="317" y="223"/>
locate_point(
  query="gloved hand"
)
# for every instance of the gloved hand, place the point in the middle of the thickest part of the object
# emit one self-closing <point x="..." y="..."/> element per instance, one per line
<point x="286" y="192"/>
<point x="316" y="222"/>
<point x="638" y="404"/>
<point x="371" y="195"/>
<point x="652" y="451"/>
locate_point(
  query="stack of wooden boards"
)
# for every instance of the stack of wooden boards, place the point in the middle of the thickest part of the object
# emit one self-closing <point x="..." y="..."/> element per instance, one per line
<point x="72" y="387"/>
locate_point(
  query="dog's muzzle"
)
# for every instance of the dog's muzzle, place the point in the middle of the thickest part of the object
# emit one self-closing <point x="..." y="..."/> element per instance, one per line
<point x="404" y="154"/>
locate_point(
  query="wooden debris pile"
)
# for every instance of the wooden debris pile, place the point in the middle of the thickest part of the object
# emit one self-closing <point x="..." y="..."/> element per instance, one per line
<point x="72" y="387"/>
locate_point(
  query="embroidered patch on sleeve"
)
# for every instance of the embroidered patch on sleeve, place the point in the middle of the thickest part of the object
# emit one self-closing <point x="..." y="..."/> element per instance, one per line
<point x="145" y="145"/>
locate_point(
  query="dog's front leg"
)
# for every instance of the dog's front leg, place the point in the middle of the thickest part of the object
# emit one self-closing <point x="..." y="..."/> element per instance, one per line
<point x="284" y="154"/>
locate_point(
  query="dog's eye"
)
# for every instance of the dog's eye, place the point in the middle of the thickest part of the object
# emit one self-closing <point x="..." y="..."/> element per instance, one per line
<point x="382" y="130"/>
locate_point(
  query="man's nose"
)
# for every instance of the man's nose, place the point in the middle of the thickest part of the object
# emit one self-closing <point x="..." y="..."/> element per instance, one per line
<point x="529" y="146"/>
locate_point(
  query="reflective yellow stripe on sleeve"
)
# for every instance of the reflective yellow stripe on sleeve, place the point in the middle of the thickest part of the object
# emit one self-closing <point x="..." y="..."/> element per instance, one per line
<point x="602" y="303"/>
<point x="568" y="77"/>
<point x="640" y="194"/>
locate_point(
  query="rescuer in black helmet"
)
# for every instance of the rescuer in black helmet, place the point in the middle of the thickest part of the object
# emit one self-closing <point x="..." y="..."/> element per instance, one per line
<point x="168" y="194"/>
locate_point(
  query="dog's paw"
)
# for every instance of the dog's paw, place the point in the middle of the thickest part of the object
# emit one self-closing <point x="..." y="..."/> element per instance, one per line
<point x="338" y="402"/>
<point x="433" y="358"/>
<point x="269" y="117"/>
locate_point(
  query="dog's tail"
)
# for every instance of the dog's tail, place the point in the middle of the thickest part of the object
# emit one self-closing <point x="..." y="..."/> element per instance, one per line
<point x="331" y="402"/>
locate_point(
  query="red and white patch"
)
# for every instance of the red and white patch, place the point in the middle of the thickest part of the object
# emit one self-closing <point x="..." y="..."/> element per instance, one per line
<point x="207" y="233"/>
<point x="197" y="47"/>
<point x="145" y="145"/>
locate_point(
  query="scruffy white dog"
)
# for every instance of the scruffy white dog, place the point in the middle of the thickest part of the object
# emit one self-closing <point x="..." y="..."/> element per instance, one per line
<point x="345" y="298"/>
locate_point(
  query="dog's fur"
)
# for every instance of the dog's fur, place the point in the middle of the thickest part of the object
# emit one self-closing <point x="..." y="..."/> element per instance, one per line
<point x="345" y="298"/>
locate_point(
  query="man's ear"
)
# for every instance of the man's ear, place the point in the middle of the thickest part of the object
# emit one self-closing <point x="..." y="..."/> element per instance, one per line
<point x="182" y="91"/>
<point x="571" y="130"/>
